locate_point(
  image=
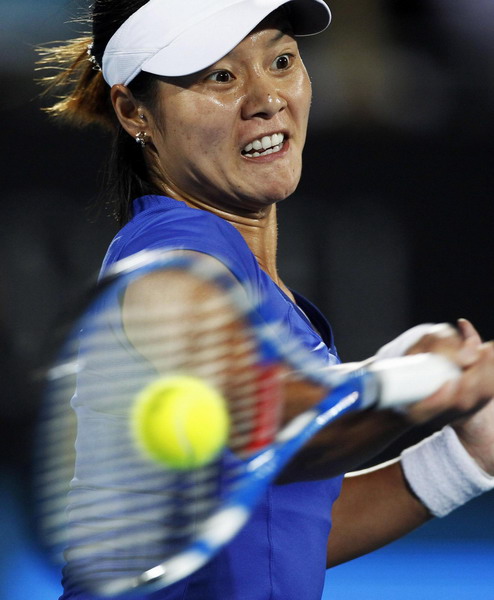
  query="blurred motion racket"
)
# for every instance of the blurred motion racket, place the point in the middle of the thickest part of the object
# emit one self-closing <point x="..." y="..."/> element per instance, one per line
<point x="123" y="523"/>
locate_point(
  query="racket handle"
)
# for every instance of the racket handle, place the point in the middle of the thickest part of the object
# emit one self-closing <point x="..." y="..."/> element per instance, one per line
<point x="407" y="379"/>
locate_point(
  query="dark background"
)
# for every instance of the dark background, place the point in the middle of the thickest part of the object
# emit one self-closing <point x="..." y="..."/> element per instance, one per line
<point x="391" y="226"/>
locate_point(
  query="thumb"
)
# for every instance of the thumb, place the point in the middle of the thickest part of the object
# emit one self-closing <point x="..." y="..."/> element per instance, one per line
<point x="469" y="332"/>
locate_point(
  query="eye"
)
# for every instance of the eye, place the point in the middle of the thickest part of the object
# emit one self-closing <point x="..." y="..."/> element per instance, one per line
<point x="220" y="76"/>
<point x="282" y="62"/>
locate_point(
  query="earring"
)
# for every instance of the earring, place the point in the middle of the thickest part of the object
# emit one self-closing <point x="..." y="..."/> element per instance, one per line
<point x="141" y="138"/>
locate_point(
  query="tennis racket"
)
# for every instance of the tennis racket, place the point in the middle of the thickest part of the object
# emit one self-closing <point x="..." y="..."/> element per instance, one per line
<point x="123" y="523"/>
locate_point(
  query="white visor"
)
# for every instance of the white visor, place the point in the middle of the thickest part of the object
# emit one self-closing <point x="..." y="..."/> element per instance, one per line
<point x="179" y="37"/>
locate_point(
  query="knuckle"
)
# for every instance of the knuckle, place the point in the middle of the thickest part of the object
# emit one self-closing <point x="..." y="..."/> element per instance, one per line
<point x="489" y="348"/>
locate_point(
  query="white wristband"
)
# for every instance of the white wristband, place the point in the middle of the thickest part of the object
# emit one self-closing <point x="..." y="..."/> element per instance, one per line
<point x="442" y="474"/>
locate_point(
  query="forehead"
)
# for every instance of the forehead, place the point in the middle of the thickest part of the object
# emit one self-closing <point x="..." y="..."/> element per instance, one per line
<point x="259" y="40"/>
<point x="272" y="29"/>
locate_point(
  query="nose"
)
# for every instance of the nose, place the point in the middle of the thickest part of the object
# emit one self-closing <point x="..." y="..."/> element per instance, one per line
<point x="262" y="98"/>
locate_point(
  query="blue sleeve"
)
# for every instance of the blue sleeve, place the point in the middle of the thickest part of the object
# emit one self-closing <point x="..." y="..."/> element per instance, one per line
<point x="183" y="228"/>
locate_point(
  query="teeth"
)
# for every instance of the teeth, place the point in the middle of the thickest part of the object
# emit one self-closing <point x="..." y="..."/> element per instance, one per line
<point x="266" y="142"/>
<point x="269" y="144"/>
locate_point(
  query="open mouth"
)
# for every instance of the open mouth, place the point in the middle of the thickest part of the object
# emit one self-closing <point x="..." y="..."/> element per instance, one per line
<point x="265" y="145"/>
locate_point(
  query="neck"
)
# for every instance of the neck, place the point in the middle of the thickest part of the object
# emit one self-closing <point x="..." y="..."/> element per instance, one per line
<point x="261" y="234"/>
<point x="259" y="230"/>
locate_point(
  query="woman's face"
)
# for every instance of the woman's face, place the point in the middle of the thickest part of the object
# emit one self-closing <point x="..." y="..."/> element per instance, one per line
<point x="232" y="136"/>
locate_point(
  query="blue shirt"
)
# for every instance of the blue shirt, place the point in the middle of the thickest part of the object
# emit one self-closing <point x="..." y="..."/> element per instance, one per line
<point x="281" y="553"/>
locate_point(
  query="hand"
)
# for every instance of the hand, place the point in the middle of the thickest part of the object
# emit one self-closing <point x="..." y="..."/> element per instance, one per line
<point x="469" y="401"/>
<point x="448" y="402"/>
<point x="476" y="432"/>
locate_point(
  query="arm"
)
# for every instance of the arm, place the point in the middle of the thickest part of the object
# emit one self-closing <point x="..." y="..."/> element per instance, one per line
<point x="375" y="507"/>
<point x="356" y="438"/>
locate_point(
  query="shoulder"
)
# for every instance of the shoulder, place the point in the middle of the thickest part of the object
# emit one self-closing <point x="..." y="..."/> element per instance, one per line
<point x="160" y="222"/>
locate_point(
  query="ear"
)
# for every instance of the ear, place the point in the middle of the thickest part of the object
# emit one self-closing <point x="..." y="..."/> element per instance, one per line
<point x="129" y="112"/>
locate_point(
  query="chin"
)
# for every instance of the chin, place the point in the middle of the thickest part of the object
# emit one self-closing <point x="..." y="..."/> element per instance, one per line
<point x="269" y="191"/>
<point x="284" y="191"/>
<point x="281" y="189"/>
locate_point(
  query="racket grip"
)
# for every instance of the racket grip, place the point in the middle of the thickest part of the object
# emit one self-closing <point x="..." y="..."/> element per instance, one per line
<point x="408" y="379"/>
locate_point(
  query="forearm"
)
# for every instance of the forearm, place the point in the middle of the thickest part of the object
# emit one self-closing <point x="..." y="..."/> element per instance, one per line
<point x="378" y="506"/>
<point x="375" y="507"/>
<point x="345" y="445"/>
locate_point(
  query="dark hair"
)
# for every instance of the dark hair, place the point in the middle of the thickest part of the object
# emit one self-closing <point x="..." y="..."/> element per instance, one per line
<point x="83" y="98"/>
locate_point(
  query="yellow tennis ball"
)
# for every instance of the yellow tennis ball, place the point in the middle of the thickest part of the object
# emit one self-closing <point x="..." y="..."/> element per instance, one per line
<point x="181" y="421"/>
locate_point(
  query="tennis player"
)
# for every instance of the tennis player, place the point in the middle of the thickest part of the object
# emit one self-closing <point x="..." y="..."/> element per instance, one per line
<point x="208" y="103"/>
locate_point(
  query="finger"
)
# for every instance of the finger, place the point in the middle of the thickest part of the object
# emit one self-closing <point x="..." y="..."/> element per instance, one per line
<point x="443" y="339"/>
<point x="468" y="331"/>
<point x="468" y="354"/>
<point x="486" y="370"/>
<point x="476" y="385"/>
<point x="465" y="396"/>
<point x="442" y="333"/>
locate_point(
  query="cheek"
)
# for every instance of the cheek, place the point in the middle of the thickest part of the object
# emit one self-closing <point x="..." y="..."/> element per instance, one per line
<point x="304" y="92"/>
<point x="205" y="125"/>
<point x="196" y="141"/>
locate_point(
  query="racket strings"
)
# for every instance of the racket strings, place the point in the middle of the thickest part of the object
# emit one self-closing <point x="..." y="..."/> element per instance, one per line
<point x="125" y="512"/>
<point x="216" y="344"/>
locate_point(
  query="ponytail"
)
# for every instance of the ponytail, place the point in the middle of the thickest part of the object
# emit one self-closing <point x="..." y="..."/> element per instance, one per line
<point x="82" y="97"/>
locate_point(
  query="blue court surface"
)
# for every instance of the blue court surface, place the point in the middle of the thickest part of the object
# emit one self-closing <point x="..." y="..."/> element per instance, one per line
<point x="448" y="559"/>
